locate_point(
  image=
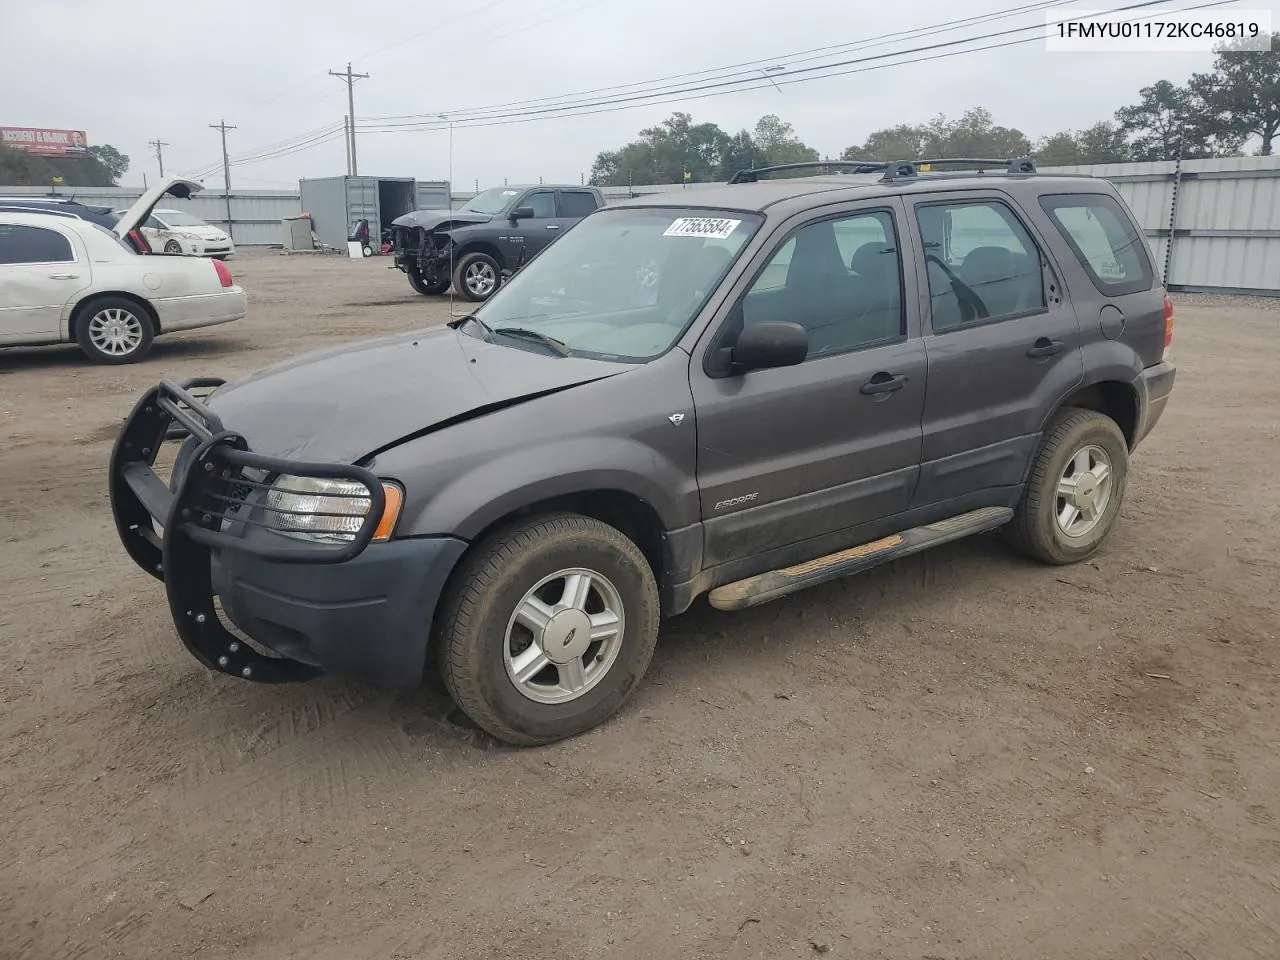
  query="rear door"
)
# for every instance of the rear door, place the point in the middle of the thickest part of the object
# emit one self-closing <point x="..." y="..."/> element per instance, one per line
<point x="796" y="453"/>
<point x="1003" y="344"/>
<point x="41" y="269"/>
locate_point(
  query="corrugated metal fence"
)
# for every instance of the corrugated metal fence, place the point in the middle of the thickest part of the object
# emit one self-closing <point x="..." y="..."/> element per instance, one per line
<point x="1214" y="224"/>
<point x="255" y="214"/>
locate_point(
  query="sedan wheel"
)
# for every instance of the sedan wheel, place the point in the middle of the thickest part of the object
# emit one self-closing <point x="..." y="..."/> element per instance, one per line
<point x="114" y="330"/>
<point x="173" y="247"/>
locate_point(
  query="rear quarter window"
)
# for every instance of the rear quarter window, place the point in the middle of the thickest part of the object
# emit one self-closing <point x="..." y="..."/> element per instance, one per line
<point x="24" y="244"/>
<point x="1104" y="239"/>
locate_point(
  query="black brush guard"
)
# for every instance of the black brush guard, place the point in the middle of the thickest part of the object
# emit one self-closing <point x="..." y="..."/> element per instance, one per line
<point x="215" y="497"/>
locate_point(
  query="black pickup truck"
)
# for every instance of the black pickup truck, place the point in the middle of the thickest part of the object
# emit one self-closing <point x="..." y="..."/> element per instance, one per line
<point x="492" y="235"/>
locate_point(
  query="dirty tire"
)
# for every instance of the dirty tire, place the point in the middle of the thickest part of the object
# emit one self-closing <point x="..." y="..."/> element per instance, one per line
<point x="1035" y="529"/>
<point x="420" y="284"/>
<point x="114" y="330"/>
<point x="480" y="264"/>
<point x="471" y="630"/>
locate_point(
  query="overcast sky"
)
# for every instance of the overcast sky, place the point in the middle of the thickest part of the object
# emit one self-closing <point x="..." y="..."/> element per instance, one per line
<point x="263" y="66"/>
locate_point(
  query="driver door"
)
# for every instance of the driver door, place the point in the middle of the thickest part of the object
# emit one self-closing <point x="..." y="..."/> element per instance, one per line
<point x="813" y="451"/>
<point x="524" y="238"/>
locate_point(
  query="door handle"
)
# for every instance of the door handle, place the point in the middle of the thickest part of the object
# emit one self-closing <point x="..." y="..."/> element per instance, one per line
<point x="883" y="383"/>
<point x="1044" y="347"/>
<point x="64" y="276"/>
<point x="553" y="226"/>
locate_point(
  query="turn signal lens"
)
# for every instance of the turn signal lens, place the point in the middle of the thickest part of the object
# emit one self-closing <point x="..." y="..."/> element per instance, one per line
<point x="1168" y="320"/>
<point x="224" y="275"/>
<point x="390" y="513"/>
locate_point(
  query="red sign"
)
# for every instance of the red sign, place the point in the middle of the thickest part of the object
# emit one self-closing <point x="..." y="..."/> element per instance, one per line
<point x="43" y="142"/>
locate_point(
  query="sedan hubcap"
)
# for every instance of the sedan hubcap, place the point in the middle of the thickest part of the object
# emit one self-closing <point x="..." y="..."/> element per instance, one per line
<point x="1084" y="491"/>
<point x="116" y="332"/>
<point x="564" y="636"/>
<point x="481" y="279"/>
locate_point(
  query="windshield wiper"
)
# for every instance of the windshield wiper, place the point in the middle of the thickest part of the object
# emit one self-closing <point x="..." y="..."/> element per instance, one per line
<point x="522" y="333"/>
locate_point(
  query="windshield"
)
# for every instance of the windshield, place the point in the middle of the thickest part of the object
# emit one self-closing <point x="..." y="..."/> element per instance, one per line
<point x="176" y="218"/>
<point x="491" y="201"/>
<point x="623" y="284"/>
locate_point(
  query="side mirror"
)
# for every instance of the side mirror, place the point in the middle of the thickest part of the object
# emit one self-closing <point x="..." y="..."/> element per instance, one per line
<point x="762" y="346"/>
<point x="521" y="213"/>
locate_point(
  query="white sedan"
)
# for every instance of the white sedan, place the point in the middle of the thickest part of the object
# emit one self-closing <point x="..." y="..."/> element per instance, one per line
<point x="176" y="231"/>
<point x="67" y="280"/>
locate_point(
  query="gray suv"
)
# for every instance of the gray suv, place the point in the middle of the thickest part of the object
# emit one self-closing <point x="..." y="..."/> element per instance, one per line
<point x="737" y="391"/>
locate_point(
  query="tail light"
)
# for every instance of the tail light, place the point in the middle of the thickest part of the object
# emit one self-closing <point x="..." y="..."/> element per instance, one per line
<point x="1168" y="320"/>
<point x="224" y="275"/>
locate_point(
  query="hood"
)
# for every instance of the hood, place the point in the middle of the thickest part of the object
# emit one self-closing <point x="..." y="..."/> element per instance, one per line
<point x="343" y="404"/>
<point x="430" y="219"/>
<point x="137" y="215"/>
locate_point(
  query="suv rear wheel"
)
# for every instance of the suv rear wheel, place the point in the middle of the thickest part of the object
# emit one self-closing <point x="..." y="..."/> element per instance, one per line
<point x="548" y="628"/>
<point x="1077" y="483"/>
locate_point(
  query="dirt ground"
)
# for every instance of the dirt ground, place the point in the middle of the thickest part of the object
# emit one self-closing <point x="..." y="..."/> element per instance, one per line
<point x="962" y="756"/>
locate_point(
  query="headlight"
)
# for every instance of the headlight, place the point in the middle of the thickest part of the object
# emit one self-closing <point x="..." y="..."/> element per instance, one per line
<point x="328" y="511"/>
<point x="186" y="236"/>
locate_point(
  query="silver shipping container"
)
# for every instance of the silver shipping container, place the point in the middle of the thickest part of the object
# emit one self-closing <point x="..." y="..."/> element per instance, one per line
<point x="337" y="203"/>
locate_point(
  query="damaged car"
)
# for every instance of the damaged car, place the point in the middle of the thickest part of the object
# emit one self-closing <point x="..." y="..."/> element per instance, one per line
<point x="740" y="392"/>
<point x="475" y="248"/>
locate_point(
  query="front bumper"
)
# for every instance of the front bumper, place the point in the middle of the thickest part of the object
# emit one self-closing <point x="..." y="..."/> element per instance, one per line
<point x="311" y="607"/>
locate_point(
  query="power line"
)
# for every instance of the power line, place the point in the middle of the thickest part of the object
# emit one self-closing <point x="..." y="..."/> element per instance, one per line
<point x="353" y="168"/>
<point x="677" y="93"/>
<point x="752" y="66"/>
<point x="158" y="144"/>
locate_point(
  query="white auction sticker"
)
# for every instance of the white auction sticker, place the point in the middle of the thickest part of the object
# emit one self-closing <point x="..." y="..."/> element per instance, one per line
<point x="713" y="228"/>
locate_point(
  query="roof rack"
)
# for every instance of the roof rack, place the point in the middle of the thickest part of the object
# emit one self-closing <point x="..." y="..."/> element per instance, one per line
<point x="896" y="169"/>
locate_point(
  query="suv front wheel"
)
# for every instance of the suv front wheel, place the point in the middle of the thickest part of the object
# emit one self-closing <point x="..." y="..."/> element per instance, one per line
<point x="1077" y="484"/>
<point x="547" y="628"/>
<point x="477" y="276"/>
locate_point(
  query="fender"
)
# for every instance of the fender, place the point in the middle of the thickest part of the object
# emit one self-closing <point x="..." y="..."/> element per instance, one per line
<point x="476" y="499"/>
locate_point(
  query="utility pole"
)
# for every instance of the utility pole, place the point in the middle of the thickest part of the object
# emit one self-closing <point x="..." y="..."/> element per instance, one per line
<point x="158" y="144"/>
<point x="222" y="126"/>
<point x="346" y="141"/>
<point x="351" y="79"/>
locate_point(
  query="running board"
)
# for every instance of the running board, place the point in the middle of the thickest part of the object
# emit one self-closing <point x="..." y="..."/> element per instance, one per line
<point x="778" y="583"/>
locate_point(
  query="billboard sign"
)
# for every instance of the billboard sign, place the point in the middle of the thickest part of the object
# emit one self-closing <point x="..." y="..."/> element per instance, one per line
<point x="44" y="142"/>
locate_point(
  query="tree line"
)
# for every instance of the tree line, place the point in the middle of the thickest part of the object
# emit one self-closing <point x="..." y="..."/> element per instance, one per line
<point x="1214" y="114"/>
<point x="101" y="166"/>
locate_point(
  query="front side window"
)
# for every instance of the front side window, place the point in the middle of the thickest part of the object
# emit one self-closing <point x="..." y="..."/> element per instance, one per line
<point x="623" y="284"/>
<point x="981" y="263"/>
<point x="542" y="203"/>
<point x="839" y="279"/>
<point x="23" y="244"/>
<point x="1104" y="239"/>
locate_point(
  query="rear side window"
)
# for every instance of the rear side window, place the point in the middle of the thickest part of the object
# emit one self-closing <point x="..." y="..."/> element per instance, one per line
<point x="1104" y="239"/>
<point x="981" y="263"/>
<point x="22" y="244"/>
<point x="576" y="203"/>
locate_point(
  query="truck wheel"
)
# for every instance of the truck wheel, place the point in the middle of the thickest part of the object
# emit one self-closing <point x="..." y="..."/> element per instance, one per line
<point x="1077" y="483"/>
<point x="114" y="330"/>
<point x="547" y="628"/>
<point x="477" y="276"/>
<point x="420" y="284"/>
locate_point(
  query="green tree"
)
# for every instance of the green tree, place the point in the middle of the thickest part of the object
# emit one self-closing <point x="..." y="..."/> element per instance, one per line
<point x="1240" y="98"/>
<point x="663" y="154"/>
<point x="1167" y="114"/>
<point x="1104" y="142"/>
<point x="1062" y="149"/>
<point x="743" y="154"/>
<point x="110" y="159"/>
<point x="975" y="134"/>
<point x="778" y="143"/>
